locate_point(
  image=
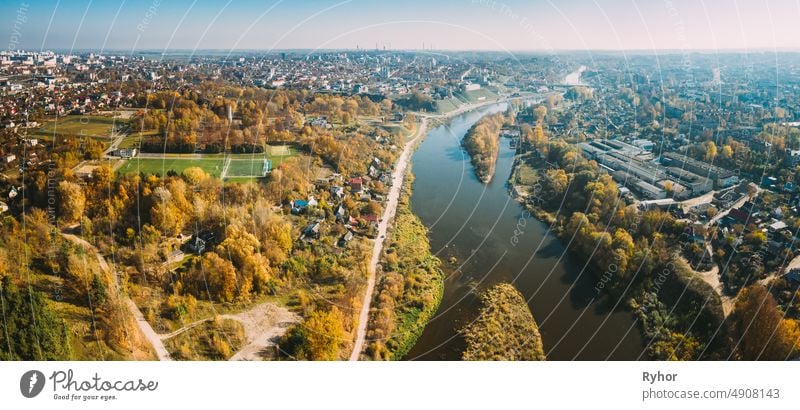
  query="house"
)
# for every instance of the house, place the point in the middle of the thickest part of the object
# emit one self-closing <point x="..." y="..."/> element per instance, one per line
<point x="373" y="172"/>
<point x="311" y="232"/>
<point x="355" y="185"/>
<point x="337" y="192"/>
<point x="126" y="152"/>
<point x="737" y="215"/>
<point x="3" y="207"/>
<point x="373" y="219"/>
<point x="299" y="206"/>
<point x="777" y="226"/>
<point x="199" y="243"/>
<point x="196" y="245"/>
<point x="345" y="239"/>
<point x="340" y="213"/>
<point x="9" y="158"/>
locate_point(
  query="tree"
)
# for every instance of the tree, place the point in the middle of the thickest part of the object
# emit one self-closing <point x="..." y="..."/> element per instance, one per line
<point x="539" y="112"/>
<point x="31" y="329"/>
<point x="727" y="152"/>
<point x="760" y="325"/>
<point x="195" y="175"/>
<point x="318" y="338"/>
<point x="214" y="277"/>
<point x="711" y="151"/>
<point x="538" y="136"/>
<point x="72" y="201"/>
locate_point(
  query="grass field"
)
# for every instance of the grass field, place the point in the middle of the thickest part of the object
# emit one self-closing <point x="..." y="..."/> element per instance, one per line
<point x="80" y="125"/>
<point x="446" y="105"/>
<point x="479" y="95"/>
<point x="133" y="140"/>
<point x="526" y="174"/>
<point x="252" y="167"/>
<point x="241" y="165"/>
<point x="161" y="166"/>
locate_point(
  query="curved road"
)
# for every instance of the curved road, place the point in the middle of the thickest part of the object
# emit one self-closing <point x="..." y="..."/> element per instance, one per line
<point x="144" y="326"/>
<point x="388" y="214"/>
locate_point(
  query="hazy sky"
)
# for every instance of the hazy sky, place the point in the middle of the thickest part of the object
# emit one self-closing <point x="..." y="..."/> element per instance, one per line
<point x="543" y="25"/>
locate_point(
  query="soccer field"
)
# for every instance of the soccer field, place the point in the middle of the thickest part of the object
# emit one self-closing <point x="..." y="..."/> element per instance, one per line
<point x="240" y="166"/>
<point x="162" y="166"/>
<point x="80" y="125"/>
<point x="251" y="167"/>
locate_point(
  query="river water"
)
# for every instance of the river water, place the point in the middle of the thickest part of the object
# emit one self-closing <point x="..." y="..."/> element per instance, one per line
<point x="475" y="224"/>
<point x="574" y="78"/>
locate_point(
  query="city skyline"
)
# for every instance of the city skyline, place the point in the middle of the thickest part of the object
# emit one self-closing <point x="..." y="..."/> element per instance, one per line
<point x="541" y="26"/>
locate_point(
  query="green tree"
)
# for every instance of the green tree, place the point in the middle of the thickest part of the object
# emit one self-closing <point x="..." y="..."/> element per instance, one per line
<point x="31" y="330"/>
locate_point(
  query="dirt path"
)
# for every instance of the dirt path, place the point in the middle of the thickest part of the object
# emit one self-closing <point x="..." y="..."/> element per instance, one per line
<point x="165" y="336"/>
<point x="388" y="214"/>
<point x="263" y="324"/>
<point x="144" y="326"/>
<point x="712" y="278"/>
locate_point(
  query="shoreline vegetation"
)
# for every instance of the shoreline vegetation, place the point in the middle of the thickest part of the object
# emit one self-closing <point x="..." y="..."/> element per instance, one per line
<point x="504" y="329"/>
<point x="630" y="252"/>
<point x="410" y="287"/>
<point x="482" y="144"/>
<point x="632" y="256"/>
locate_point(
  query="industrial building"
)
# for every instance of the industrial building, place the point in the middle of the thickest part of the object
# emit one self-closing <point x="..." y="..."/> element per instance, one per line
<point x="722" y="178"/>
<point x="632" y="166"/>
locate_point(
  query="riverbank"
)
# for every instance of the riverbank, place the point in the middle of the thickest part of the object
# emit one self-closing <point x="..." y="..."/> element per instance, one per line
<point x="488" y="238"/>
<point x="398" y="176"/>
<point x="629" y="253"/>
<point x="505" y="328"/>
<point x="482" y="144"/>
<point x="410" y="288"/>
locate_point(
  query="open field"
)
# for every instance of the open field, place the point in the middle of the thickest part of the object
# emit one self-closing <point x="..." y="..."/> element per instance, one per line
<point x="81" y="125"/>
<point x="251" y="167"/>
<point x="133" y="140"/>
<point x="280" y="151"/>
<point x="163" y="165"/>
<point x="241" y="165"/>
<point x="446" y="105"/>
<point x="479" y="95"/>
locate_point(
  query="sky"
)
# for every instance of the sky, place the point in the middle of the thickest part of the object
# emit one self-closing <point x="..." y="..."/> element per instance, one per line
<point x="510" y="25"/>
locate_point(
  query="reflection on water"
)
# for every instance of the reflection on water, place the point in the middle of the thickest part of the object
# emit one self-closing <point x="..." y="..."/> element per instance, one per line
<point x="475" y="223"/>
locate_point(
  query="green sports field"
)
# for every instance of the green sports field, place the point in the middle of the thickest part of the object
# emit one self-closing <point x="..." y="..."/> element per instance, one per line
<point x="162" y="166"/>
<point x="240" y="166"/>
<point x="81" y="125"/>
<point x="251" y="167"/>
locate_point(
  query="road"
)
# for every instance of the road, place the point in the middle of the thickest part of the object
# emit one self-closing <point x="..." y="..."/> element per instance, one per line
<point x="391" y="207"/>
<point x="712" y="278"/>
<point x="144" y="326"/>
<point x="388" y="214"/>
<point x="738" y="204"/>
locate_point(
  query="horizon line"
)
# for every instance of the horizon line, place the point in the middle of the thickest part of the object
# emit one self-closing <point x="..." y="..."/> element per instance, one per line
<point x="736" y="50"/>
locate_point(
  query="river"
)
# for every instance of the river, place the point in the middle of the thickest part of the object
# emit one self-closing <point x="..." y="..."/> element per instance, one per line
<point x="475" y="224"/>
<point x="574" y="78"/>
